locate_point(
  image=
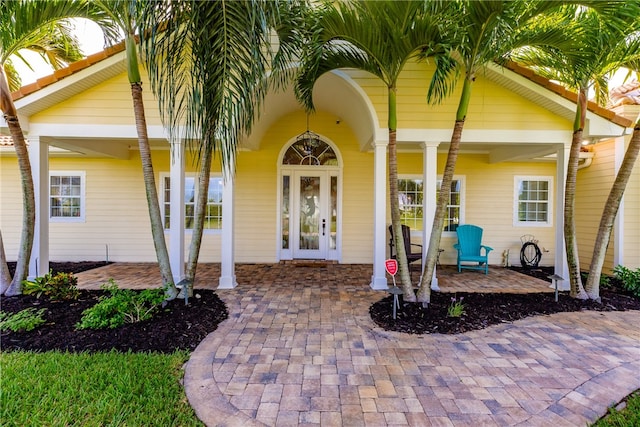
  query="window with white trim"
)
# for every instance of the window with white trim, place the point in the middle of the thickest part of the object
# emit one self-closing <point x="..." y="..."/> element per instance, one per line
<point x="411" y="194"/>
<point x="213" y="213"/>
<point x="532" y="204"/>
<point x="66" y="196"/>
<point x="454" y="215"/>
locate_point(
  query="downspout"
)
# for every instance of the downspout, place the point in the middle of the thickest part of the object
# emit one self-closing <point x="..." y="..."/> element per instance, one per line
<point x="587" y="159"/>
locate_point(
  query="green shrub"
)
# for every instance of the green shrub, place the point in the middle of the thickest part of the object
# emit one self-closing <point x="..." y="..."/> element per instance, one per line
<point x="120" y="307"/>
<point x="61" y="286"/>
<point x="630" y="279"/>
<point x="24" y="320"/>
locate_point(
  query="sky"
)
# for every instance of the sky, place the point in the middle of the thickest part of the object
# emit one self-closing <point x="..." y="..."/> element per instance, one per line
<point x="91" y="41"/>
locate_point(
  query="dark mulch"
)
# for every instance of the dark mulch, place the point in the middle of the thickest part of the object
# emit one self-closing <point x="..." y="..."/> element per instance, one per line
<point x="67" y="267"/>
<point x="486" y="309"/>
<point x="175" y="327"/>
<point x="183" y="327"/>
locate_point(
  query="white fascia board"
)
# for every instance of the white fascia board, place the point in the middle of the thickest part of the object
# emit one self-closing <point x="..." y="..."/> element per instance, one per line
<point x="113" y="65"/>
<point x="481" y="136"/>
<point x="94" y="131"/>
<point x="602" y="128"/>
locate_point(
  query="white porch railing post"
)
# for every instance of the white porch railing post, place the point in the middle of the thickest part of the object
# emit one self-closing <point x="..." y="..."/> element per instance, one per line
<point x="379" y="278"/>
<point x="227" y="250"/>
<point x="176" y="208"/>
<point x="429" y="200"/>
<point x="39" y="159"/>
<point x="561" y="265"/>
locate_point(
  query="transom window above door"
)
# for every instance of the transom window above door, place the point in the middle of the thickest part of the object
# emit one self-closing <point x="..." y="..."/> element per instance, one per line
<point x="310" y="151"/>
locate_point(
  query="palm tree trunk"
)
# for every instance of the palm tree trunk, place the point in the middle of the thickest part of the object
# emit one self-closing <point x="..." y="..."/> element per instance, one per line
<point x="155" y="216"/>
<point x="424" y="292"/>
<point x="401" y="254"/>
<point x="609" y="214"/>
<point x="571" y="243"/>
<point x="200" y="210"/>
<point x="28" y="193"/>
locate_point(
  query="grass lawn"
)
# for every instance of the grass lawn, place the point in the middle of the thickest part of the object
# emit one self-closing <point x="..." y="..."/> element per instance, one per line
<point x="629" y="416"/>
<point x="132" y="389"/>
<point x="105" y="389"/>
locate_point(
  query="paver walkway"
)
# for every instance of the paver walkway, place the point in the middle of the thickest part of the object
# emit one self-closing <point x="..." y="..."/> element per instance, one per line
<point x="299" y="348"/>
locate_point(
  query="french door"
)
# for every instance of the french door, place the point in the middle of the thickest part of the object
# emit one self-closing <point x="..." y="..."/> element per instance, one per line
<point x="310" y="214"/>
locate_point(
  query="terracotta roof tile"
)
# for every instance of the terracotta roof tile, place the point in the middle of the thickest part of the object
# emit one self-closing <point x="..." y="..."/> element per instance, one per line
<point x="565" y="93"/>
<point x="6" y="141"/>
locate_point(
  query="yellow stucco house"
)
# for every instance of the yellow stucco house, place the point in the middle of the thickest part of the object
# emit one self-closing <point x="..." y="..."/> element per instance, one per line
<point x="327" y="200"/>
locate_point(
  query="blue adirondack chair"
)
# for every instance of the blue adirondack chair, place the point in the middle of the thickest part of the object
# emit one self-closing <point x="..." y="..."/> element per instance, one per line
<point x="469" y="248"/>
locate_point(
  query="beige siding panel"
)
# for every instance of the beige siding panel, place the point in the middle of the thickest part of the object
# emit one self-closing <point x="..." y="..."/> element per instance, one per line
<point x="491" y="107"/>
<point x="10" y="205"/>
<point x="106" y="103"/>
<point x="490" y="185"/>
<point x="116" y="217"/>
<point x="490" y="204"/>
<point x="357" y="201"/>
<point x="255" y="204"/>
<point x="592" y="189"/>
<point x="116" y="214"/>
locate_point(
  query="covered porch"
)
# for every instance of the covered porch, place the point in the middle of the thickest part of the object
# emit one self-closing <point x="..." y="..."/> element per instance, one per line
<point x="146" y="275"/>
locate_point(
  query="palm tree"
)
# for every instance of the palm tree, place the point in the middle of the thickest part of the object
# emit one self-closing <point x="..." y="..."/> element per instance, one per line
<point x="210" y="84"/>
<point x="598" y="45"/>
<point x="611" y="206"/>
<point x="378" y="37"/>
<point x="40" y="26"/>
<point x="485" y="29"/>
<point x="490" y="29"/>
<point x="125" y="14"/>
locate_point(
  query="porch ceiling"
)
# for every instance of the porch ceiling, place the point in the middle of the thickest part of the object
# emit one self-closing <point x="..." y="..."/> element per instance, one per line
<point x="95" y="148"/>
<point x="497" y="153"/>
<point x="332" y="93"/>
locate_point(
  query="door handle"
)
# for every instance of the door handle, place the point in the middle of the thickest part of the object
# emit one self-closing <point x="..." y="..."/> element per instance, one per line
<point x="324" y="226"/>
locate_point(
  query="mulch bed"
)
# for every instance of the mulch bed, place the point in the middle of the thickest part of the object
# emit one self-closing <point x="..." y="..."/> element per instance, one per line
<point x="486" y="309"/>
<point x="175" y="327"/>
<point x="182" y="327"/>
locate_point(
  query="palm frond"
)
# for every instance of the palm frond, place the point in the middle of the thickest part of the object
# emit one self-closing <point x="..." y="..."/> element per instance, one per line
<point x="378" y="37"/>
<point x="55" y="43"/>
<point x="24" y="18"/>
<point x="579" y="47"/>
<point x="208" y="65"/>
<point x="444" y="79"/>
<point x="13" y="78"/>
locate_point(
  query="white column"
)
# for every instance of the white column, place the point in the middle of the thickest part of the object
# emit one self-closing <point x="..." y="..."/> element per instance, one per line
<point x="429" y="200"/>
<point x="176" y="208"/>
<point x="618" y="225"/>
<point x="379" y="278"/>
<point x="227" y="255"/>
<point x="561" y="265"/>
<point x="39" y="159"/>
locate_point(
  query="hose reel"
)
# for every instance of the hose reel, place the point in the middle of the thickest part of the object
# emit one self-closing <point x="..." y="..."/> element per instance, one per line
<point x="530" y="253"/>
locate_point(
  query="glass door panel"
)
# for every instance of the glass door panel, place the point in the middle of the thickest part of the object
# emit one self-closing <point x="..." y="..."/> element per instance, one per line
<point x="309" y="238"/>
<point x="333" y="213"/>
<point x="285" y="212"/>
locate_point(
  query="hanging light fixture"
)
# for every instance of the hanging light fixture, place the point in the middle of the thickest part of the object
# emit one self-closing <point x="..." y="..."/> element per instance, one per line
<point x="308" y="141"/>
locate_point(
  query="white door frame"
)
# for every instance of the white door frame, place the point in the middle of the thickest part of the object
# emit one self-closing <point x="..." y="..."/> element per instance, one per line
<point x="286" y="251"/>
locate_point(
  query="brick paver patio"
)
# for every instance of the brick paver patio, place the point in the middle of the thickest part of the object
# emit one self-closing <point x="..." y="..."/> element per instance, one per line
<point x="299" y="348"/>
